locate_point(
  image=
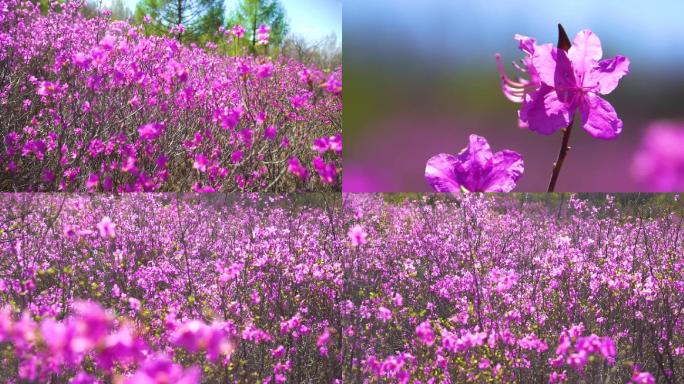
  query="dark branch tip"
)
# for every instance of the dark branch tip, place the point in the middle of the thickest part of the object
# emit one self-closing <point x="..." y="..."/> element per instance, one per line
<point x="563" y="40"/>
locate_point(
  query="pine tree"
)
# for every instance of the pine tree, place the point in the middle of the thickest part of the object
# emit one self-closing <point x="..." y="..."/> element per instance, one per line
<point x="119" y="10"/>
<point x="200" y="18"/>
<point x="253" y="13"/>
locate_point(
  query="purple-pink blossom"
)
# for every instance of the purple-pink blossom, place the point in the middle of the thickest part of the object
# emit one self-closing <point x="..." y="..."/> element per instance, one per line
<point x="150" y="131"/>
<point x="659" y="162"/>
<point x="475" y="169"/>
<point x="562" y="82"/>
<point x="106" y="227"/>
<point x="358" y="235"/>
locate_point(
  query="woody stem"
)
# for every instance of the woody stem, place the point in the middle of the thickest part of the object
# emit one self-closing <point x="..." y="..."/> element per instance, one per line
<point x="561" y="157"/>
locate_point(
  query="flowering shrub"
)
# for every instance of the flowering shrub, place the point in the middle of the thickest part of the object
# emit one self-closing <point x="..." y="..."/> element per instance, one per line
<point x="496" y="289"/>
<point x="95" y="105"/>
<point x="248" y="288"/>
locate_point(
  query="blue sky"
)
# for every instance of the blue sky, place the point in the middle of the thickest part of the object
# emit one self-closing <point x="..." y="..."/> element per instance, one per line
<point x="311" y="19"/>
<point x="471" y="31"/>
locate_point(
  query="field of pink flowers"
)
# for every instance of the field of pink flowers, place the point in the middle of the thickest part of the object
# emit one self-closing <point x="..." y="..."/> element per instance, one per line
<point x="359" y="288"/>
<point x="93" y="104"/>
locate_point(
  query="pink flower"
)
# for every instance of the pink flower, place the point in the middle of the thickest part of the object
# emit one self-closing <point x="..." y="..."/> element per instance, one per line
<point x="327" y="171"/>
<point x="296" y="168"/>
<point x="95" y="147"/>
<point x="161" y="370"/>
<point x="564" y="81"/>
<point x="236" y="157"/>
<point x="357" y="235"/>
<point x="659" y="162"/>
<point x="263" y="34"/>
<point x="201" y="163"/>
<point x="82" y="60"/>
<point x="92" y="182"/>
<point x="333" y="85"/>
<point x="265" y="70"/>
<point x="475" y="169"/>
<point x="46" y="88"/>
<point x="278" y="352"/>
<point x="425" y="333"/>
<point x="237" y="31"/>
<point x="384" y="314"/>
<point x="151" y="131"/>
<point x="608" y="349"/>
<point x="270" y="132"/>
<point x="106" y="227"/>
<point x="643" y="378"/>
<point x="107" y="43"/>
<point x="134" y="303"/>
<point x="191" y="335"/>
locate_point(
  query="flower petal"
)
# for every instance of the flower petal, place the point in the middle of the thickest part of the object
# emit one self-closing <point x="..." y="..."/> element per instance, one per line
<point x="607" y="74"/>
<point x="507" y="169"/>
<point x="439" y="173"/>
<point x="544" y="113"/>
<point x="553" y="66"/>
<point x="599" y="118"/>
<point x="479" y="152"/>
<point x="474" y="163"/>
<point x="585" y="51"/>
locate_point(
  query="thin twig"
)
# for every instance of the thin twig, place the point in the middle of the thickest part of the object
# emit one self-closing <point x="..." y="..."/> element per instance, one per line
<point x="561" y="157"/>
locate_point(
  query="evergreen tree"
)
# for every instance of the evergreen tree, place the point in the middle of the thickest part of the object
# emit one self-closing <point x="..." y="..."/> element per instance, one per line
<point x="253" y="13"/>
<point x="119" y="10"/>
<point x="200" y="18"/>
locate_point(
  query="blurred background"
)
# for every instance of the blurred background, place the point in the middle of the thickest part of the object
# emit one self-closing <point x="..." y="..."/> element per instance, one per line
<point x="421" y="76"/>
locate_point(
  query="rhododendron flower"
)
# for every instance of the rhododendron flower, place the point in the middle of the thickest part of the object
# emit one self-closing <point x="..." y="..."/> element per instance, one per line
<point x="357" y="235"/>
<point x="324" y="144"/>
<point x="563" y="82"/>
<point x="161" y="370"/>
<point x="238" y="31"/>
<point x="270" y="132"/>
<point x="82" y="60"/>
<point x="333" y="85"/>
<point x="643" y="378"/>
<point x="296" y="168"/>
<point x="475" y="169"/>
<point x="265" y="70"/>
<point x="322" y="342"/>
<point x="134" y="303"/>
<point x="46" y="88"/>
<point x="236" y="157"/>
<point x="384" y="314"/>
<point x="92" y="182"/>
<point x="150" y="131"/>
<point x="107" y="43"/>
<point x="191" y="335"/>
<point x="659" y="162"/>
<point x="425" y="333"/>
<point x="327" y="171"/>
<point x="278" y="352"/>
<point x="106" y="227"/>
<point x="263" y="34"/>
<point x="201" y="163"/>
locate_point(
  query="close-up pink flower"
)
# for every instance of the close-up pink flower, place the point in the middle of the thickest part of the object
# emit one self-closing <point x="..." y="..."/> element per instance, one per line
<point x="564" y="80"/>
<point x="475" y="169"/>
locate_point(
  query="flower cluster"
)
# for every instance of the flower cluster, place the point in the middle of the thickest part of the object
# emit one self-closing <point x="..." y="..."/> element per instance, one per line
<point x="88" y="335"/>
<point x="96" y="105"/>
